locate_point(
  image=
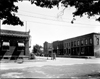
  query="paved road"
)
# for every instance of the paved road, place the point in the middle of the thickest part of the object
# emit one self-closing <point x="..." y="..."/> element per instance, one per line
<point x="43" y="68"/>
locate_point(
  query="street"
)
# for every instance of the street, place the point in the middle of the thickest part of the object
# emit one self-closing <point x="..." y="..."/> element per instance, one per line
<point x="59" y="68"/>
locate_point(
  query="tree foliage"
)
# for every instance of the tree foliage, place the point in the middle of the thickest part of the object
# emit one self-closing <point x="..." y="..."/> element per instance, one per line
<point x="37" y="49"/>
<point x="46" y="3"/>
<point x="7" y="12"/>
<point x="87" y="7"/>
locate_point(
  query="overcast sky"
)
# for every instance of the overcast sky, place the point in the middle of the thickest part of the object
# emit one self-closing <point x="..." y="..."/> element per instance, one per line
<point x="48" y="24"/>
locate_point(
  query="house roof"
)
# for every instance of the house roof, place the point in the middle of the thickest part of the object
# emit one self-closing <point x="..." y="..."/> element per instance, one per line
<point x="14" y="33"/>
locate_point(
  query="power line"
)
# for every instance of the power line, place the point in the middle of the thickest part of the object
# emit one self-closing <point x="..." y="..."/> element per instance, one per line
<point x="37" y="13"/>
<point x="41" y="14"/>
<point x="55" y="20"/>
<point x="55" y="24"/>
<point x="47" y="15"/>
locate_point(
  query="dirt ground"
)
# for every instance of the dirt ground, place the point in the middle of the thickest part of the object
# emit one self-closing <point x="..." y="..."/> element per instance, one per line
<point x="59" y="68"/>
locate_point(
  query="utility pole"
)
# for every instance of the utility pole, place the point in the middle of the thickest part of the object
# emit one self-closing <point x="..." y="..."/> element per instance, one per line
<point x="57" y="50"/>
<point x="0" y="35"/>
<point x="0" y="26"/>
<point x="26" y="26"/>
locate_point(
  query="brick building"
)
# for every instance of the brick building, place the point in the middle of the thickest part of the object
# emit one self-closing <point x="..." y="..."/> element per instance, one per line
<point x="58" y="47"/>
<point x="14" y="44"/>
<point x="82" y="46"/>
<point x="48" y="48"/>
<point x="85" y="45"/>
<point x="79" y="46"/>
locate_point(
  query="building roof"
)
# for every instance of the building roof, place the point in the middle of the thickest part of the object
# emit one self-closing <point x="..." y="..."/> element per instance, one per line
<point x="14" y="33"/>
<point x="82" y="36"/>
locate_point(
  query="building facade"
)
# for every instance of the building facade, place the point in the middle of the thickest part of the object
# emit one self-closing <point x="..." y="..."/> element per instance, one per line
<point x="96" y="47"/>
<point x="14" y="44"/>
<point x="48" y="49"/>
<point x="79" y="46"/>
<point x="87" y="45"/>
<point x="58" y="47"/>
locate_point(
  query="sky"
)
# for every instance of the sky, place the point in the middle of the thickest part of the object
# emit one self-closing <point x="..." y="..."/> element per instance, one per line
<point x="51" y="24"/>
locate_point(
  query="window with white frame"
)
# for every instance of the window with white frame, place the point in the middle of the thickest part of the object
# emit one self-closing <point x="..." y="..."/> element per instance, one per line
<point x="90" y="41"/>
<point x="86" y="42"/>
<point x="82" y="42"/>
<point x="78" y="42"/>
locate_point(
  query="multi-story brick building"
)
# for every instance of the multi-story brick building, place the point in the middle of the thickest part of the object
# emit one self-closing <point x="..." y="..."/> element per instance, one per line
<point x="79" y="46"/>
<point x="14" y="44"/>
<point x="48" y="49"/>
<point x="58" y="47"/>
<point x="83" y="46"/>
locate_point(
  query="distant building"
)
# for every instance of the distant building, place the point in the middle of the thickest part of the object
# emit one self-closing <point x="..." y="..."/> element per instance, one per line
<point x="58" y="47"/>
<point x="87" y="45"/>
<point x="48" y="48"/>
<point x="14" y="44"/>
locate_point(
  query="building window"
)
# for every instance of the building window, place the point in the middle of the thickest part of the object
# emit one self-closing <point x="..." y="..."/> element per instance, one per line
<point x="78" y="43"/>
<point x="21" y="45"/>
<point x="82" y="42"/>
<point x="5" y="46"/>
<point x="82" y="50"/>
<point x="90" y="41"/>
<point x="86" y="41"/>
<point x="69" y="44"/>
<point x="66" y="45"/>
<point x="74" y="43"/>
<point x="97" y="41"/>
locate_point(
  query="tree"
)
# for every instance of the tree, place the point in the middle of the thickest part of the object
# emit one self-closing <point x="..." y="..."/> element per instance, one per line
<point x="37" y="49"/>
<point x="87" y="7"/>
<point x="7" y="12"/>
